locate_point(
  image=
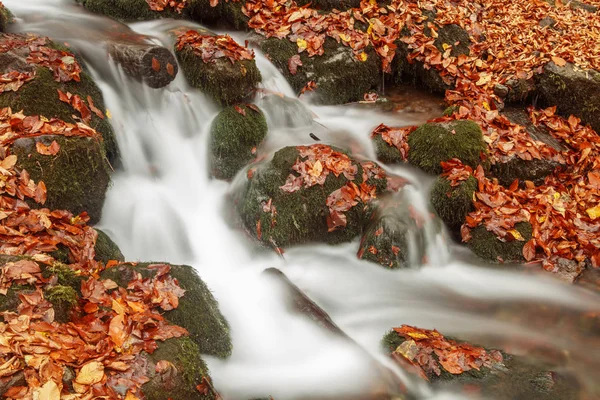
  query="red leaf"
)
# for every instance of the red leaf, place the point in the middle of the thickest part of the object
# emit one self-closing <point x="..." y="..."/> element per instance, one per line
<point x="155" y="65"/>
<point x="529" y="250"/>
<point x="240" y="110"/>
<point x="293" y="63"/>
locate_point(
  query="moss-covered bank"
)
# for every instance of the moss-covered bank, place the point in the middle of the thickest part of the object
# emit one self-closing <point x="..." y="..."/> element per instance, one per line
<point x="234" y="138"/>
<point x="339" y="76"/>
<point x="432" y="143"/>
<point x="198" y="311"/>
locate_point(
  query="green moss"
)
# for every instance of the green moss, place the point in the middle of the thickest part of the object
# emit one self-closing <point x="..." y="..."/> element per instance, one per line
<point x="6" y="17"/>
<point x="66" y="276"/>
<point x="198" y="311"/>
<point x="63" y="299"/>
<point x="341" y="5"/>
<point x="187" y="371"/>
<point x="76" y="177"/>
<point x="448" y="112"/>
<point x="391" y="341"/>
<point x="487" y="246"/>
<point x="454" y="36"/>
<point x="433" y="143"/>
<point x="61" y="254"/>
<point x="106" y="249"/>
<point x="339" y="76"/>
<point x="40" y="97"/>
<point x="301" y="216"/>
<point x="233" y="138"/>
<point x="385" y="152"/>
<point x="227" y="83"/>
<point x="453" y="204"/>
<point x="128" y="10"/>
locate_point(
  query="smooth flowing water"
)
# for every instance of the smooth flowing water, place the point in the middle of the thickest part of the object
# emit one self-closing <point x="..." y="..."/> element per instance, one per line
<point x="164" y="206"/>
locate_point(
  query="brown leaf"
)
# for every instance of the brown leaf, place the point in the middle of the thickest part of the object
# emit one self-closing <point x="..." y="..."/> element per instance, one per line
<point x="47" y="150"/>
<point x="293" y="63"/>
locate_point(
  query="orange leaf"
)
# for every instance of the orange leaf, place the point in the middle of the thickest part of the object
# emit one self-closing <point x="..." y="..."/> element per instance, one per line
<point x="559" y="61"/>
<point x="47" y="150"/>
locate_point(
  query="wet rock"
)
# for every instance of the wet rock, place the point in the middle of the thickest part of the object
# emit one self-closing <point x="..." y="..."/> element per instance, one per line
<point x="227" y="82"/>
<point x="235" y="134"/>
<point x="448" y="35"/>
<point x="6" y="17"/>
<point x="106" y="249"/>
<point x="453" y="204"/>
<point x="531" y="170"/>
<point x="279" y="209"/>
<point x="198" y="311"/>
<point x="486" y="245"/>
<point x="433" y="143"/>
<point x="572" y="90"/>
<point x="339" y="76"/>
<point x="76" y="178"/>
<point x="386" y="153"/>
<point x="396" y="235"/>
<point x="129" y="10"/>
<point x="576" y="4"/>
<point x="175" y="370"/>
<point x="39" y="96"/>
<point x="519" y="90"/>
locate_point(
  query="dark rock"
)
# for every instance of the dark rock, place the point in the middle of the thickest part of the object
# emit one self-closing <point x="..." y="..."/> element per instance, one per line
<point x="501" y="90"/>
<point x="130" y="10"/>
<point x="339" y="76"/>
<point x="6" y="17"/>
<point x="547" y="21"/>
<point x="106" y="249"/>
<point x="234" y="138"/>
<point x="520" y="90"/>
<point x="433" y="143"/>
<point x="572" y="90"/>
<point x="487" y="246"/>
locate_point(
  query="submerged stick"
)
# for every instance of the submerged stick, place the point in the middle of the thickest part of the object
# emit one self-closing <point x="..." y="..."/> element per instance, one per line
<point x="390" y="384"/>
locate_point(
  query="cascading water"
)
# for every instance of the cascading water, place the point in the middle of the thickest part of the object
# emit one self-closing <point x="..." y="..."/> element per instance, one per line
<point x="163" y="206"/>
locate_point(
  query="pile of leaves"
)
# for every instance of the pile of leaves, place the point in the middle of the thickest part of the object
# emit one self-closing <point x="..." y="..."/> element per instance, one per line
<point x="161" y="5"/>
<point x="212" y="47"/>
<point x="313" y="167"/>
<point x="395" y="137"/>
<point x="79" y="105"/>
<point x="109" y="326"/>
<point x="431" y="353"/>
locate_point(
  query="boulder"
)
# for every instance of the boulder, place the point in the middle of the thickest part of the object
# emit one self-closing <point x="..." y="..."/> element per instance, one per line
<point x="339" y="76"/>
<point x="217" y="66"/>
<point x="235" y="134"/>
<point x="6" y="17"/>
<point x="198" y="311"/>
<point x="106" y="249"/>
<point x="572" y="90"/>
<point x="396" y="235"/>
<point x="486" y="245"/>
<point x="453" y="204"/>
<point x="433" y="143"/>
<point x="131" y="10"/>
<point x="304" y="194"/>
<point x="40" y="95"/>
<point x="76" y="177"/>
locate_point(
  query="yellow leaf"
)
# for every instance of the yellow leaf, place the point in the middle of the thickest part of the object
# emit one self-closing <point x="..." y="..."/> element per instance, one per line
<point x="362" y="57"/>
<point x="108" y="114"/>
<point x="90" y="374"/>
<point x="49" y="391"/>
<point x="593" y="212"/>
<point x="344" y="37"/>
<point x="302" y="44"/>
<point x="118" y="307"/>
<point x="131" y="396"/>
<point x="408" y="349"/>
<point x="417" y="335"/>
<point x="486" y="106"/>
<point x="316" y="169"/>
<point x="445" y="46"/>
<point x="517" y="235"/>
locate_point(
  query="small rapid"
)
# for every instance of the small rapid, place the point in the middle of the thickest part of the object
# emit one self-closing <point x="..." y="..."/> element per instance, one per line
<point x="164" y="206"/>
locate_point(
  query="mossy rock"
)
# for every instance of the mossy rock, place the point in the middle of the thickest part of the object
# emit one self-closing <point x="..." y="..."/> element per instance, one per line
<point x="6" y="17"/>
<point x="178" y="378"/>
<point x="572" y="90"/>
<point x="341" y="5"/>
<point x="432" y="143"/>
<point x="486" y="245"/>
<point x="299" y="217"/>
<point x="129" y="10"/>
<point x="198" y="311"/>
<point x="226" y="82"/>
<point x="76" y="178"/>
<point x="535" y="171"/>
<point x="234" y="138"/>
<point x="393" y="238"/>
<point x="385" y="152"/>
<point x="65" y="275"/>
<point x="453" y="204"/>
<point x="520" y="379"/>
<point x="63" y="299"/>
<point x="339" y="76"/>
<point x="10" y="301"/>
<point x="40" y="97"/>
<point x="106" y="249"/>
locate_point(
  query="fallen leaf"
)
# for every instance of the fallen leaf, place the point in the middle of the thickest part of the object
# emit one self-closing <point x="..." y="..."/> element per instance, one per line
<point x="47" y="150"/>
<point x="90" y="374"/>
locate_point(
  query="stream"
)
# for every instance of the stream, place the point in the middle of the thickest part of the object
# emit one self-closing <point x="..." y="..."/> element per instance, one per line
<point x="164" y="206"/>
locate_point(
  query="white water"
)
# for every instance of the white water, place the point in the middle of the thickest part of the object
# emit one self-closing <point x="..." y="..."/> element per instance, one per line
<point x="165" y="206"/>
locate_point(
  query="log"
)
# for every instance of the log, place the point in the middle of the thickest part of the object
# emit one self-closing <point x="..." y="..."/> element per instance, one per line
<point x="390" y="384"/>
<point x="154" y="65"/>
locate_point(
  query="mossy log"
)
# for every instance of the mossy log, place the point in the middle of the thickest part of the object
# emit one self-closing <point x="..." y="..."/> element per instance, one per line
<point x="234" y="138"/>
<point x="339" y="76"/>
<point x="154" y="65"/>
<point x="572" y="90"/>
<point x="76" y="178"/>
<point x="198" y="311"/>
<point x="432" y="143"/>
